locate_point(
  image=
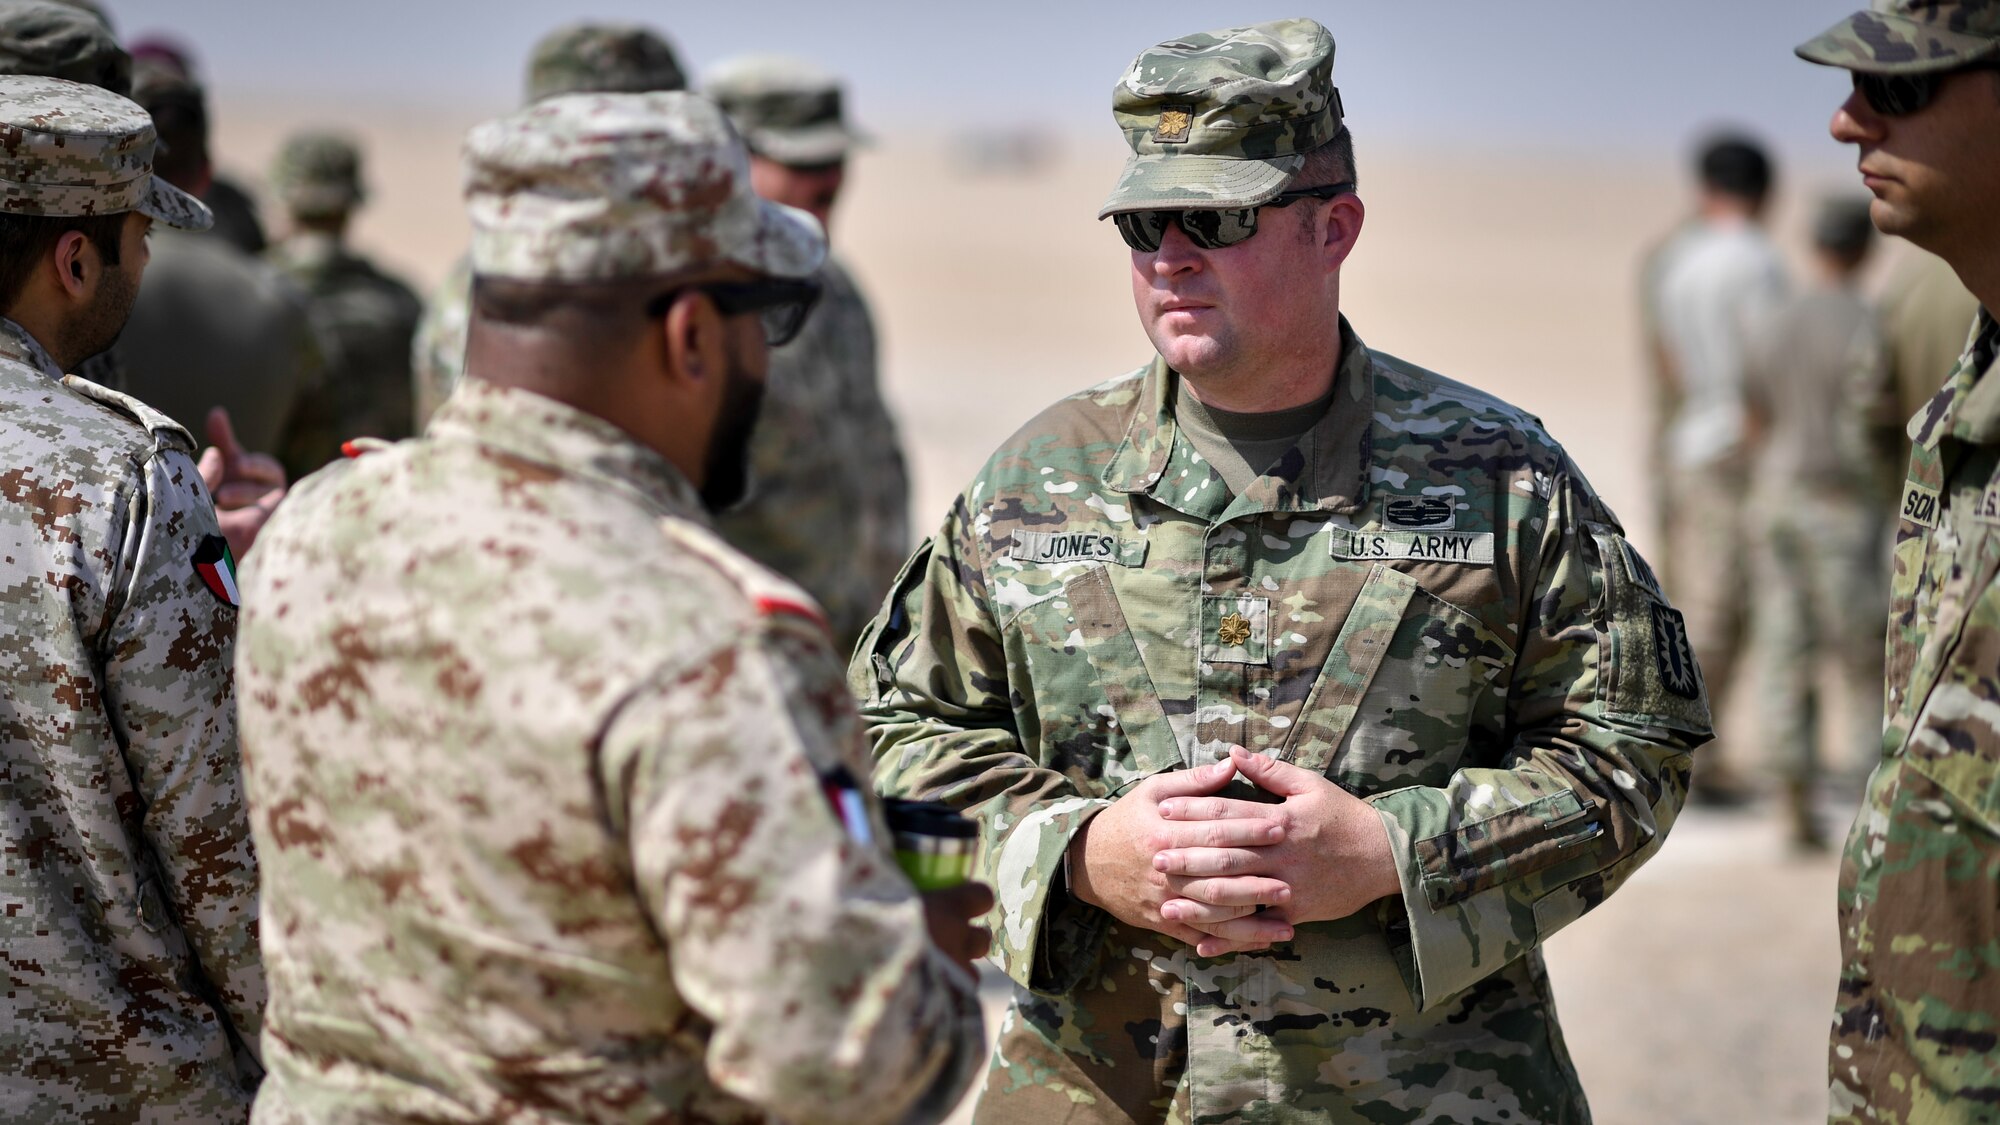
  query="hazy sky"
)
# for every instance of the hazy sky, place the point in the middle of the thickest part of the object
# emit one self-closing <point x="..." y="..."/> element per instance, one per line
<point x="1634" y="74"/>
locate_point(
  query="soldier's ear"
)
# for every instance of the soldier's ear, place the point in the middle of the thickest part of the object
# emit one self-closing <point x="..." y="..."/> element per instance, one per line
<point x="73" y="259"/>
<point x="692" y="334"/>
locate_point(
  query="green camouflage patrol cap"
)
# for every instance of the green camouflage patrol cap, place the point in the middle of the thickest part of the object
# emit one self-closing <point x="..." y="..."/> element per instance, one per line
<point x="1910" y="37"/>
<point x="318" y="174"/>
<point x="599" y="187"/>
<point x="1224" y="118"/>
<point x="602" y="58"/>
<point x="58" y="40"/>
<point x="787" y="109"/>
<point x="67" y="148"/>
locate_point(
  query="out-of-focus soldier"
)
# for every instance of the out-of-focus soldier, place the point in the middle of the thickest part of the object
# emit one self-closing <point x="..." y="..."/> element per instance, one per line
<point x="829" y="495"/>
<point x="1716" y="293"/>
<point x="1926" y="312"/>
<point x="130" y="987"/>
<point x="365" y="318"/>
<point x="1460" y="707"/>
<point x="559" y="796"/>
<point x="213" y="326"/>
<point x="577" y="58"/>
<point x="1823" y="415"/>
<point x="1914" y="1027"/>
<point x="234" y="208"/>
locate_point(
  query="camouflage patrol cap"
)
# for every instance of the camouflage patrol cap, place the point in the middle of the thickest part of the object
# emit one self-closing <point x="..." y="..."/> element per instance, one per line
<point x="599" y="187"/>
<point x="787" y="109"/>
<point x="1910" y="37"/>
<point x="67" y="148"/>
<point x="58" y="40"/>
<point x="602" y="58"/>
<point x="318" y="174"/>
<point x="1224" y="118"/>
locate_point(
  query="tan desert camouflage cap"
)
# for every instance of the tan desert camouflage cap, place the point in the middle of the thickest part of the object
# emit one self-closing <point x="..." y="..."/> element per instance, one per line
<point x="787" y="109"/>
<point x="318" y="173"/>
<point x="71" y="149"/>
<point x="1910" y="37"/>
<point x="603" y="58"/>
<point x="599" y="187"/>
<point x="1224" y="118"/>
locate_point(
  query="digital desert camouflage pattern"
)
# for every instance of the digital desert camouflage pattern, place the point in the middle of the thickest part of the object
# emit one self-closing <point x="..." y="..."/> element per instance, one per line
<point x="600" y="58"/>
<point x="128" y="942"/>
<point x="599" y="187"/>
<point x="73" y="149"/>
<point x="365" y="321"/>
<point x="1423" y="599"/>
<point x="786" y="108"/>
<point x="1910" y="37"/>
<point x="437" y="352"/>
<point x="540" y="772"/>
<point x="1224" y="118"/>
<point x="62" y="40"/>
<point x="1915" y="1035"/>
<point x="830" y="493"/>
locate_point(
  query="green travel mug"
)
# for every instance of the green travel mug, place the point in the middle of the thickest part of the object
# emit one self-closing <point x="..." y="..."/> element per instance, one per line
<point x="935" y="843"/>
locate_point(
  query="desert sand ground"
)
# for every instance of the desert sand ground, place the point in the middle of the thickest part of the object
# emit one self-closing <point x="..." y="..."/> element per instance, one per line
<point x="1701" y="993"/>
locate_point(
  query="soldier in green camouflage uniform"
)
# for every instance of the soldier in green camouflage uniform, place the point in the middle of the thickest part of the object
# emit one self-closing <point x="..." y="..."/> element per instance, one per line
<point x="577" y="58"/>
<point x="1916" y="1029"/>
<point x="830" y="495"/>
<point x="128" y="945"/>
<point x="1465" y="706"/>
<point x="366" y="318"/>
<point x="560" y="797"/>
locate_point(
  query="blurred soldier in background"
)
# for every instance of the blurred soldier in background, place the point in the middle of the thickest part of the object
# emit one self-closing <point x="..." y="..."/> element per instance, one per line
<point x="576" y="58"/>
<point x="365" y="318"/>
<point x="1914" y="1020"/>
<point x="546" y="777"/>
<point x="1716" y="293"/>
<point x="829" y="491"/>
<point x="1825" y="428"/>
<point x="130" y="986"/>
<point x="234" y="208"/>
<point x="213" y="326"/>
<point x="1926" y="313"/>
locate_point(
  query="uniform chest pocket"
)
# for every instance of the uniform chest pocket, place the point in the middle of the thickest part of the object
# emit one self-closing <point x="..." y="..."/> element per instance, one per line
<point x="1955" y="685"/>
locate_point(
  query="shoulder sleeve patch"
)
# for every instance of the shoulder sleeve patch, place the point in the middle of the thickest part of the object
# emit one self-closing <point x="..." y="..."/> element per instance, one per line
<point x="166" y="432"/>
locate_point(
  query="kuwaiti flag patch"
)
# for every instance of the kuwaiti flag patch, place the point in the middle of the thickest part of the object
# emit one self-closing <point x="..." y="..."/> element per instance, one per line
<point x="217" y="567"/>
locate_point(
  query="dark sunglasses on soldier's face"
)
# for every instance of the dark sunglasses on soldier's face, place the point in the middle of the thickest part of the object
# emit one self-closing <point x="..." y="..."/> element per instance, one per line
<point x="783" y="303"/>
<point x="1210" y="230"/>
<point x="1899" y="95"/>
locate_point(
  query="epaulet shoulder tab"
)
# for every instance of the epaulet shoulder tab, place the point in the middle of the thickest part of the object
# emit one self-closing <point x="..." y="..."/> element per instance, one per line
<point x="356" y="447"/>
<point x="166" y="432"/>
<point x="769" y="593"/>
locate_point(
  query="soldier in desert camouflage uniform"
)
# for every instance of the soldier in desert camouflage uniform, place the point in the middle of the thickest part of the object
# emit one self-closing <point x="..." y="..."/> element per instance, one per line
<point x="577" y="58"/>
<point x="1460" y="708"/>
<point x="829" y="494"/>
<point x="132" y="989"/>
<point x="365" y="317"/>
<point x="560" y="796"/>
<point x="1916" y="1029"/>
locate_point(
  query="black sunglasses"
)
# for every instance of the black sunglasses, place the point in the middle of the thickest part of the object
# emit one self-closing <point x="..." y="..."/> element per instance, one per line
<point x="1210" y="230"/>
<point x="782" y="302"/>
<point x="1899" y="95"/>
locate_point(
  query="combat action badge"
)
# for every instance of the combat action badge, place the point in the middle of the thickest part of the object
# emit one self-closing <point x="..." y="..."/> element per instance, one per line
<point x="216" y="566"/>
<point x="1175" y="122"/>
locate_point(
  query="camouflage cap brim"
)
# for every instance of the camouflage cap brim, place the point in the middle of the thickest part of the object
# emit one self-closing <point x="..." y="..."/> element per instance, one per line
<point x="788" y="242"/>
<point x="1161" y="181"/>
<point x="814" y="144"/>
<point x="174" y="207"/>
<point x="1887" y="43"/>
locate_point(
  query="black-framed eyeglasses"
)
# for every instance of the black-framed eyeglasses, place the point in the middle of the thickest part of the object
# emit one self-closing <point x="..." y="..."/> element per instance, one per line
<point x="1210" y="229"/>
<point x="1899" y="95"/>
<point x="783" y="303"/>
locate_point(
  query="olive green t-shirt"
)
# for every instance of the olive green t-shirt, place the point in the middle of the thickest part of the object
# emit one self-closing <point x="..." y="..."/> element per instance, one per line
<point x="1242" y="446"/>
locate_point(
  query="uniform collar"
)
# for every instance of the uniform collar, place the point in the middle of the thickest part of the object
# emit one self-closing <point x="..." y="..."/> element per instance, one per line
<point x="1334" y="477"/>
<point x="530" y="427"/>
<point x="21" y="347"/>
<point x="1968" y="406"/>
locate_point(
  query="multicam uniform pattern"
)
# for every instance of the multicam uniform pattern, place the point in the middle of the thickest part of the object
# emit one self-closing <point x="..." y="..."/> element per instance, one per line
<point x="829" y="500"/>
<point x="1915" y="1036"/>
<point x="539" y="770"/>
<point x="1425" y="600"/>
<point x="1909" y="36"/>
<point x="128" y="904"/>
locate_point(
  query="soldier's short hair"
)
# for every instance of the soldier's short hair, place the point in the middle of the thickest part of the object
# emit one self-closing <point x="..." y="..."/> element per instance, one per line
<point x="25" y="240"/>
<point x="1735" y="165"/>
<point x="179" y="109"/>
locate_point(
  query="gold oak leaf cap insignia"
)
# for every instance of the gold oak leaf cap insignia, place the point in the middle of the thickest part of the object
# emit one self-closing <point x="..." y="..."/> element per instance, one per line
<point x="1234" y="630"/>
<point x="1175" y="121"/>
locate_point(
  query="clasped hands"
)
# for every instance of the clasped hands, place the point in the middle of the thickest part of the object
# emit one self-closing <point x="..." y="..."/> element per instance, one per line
<point x="1229" y="876"/>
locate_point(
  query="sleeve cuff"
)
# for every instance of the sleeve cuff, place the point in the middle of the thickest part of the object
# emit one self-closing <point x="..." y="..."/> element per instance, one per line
<point x="1042" y="938"/>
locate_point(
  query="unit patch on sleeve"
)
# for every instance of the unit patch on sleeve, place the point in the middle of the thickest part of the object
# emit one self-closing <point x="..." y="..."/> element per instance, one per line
<point x="216" y="567"/>
<point x="1076" y="546"/>
<point x="1919" y="505"/>
<point x="1674" y="654"/>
